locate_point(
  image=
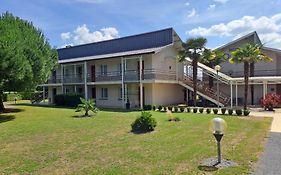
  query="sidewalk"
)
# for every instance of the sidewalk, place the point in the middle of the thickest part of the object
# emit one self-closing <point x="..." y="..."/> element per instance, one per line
<point x="270" y="160"/>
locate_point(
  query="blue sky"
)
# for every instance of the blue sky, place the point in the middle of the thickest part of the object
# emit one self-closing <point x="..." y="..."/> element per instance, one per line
<point x="82" y="21"/>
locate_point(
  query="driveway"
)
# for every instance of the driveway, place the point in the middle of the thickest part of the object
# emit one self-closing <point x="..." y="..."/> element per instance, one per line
<point x="270" y="160"/>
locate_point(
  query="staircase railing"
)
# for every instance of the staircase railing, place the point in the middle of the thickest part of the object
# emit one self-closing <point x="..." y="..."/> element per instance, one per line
<point x="39" y="98"/>
<point x="206" y="90"/>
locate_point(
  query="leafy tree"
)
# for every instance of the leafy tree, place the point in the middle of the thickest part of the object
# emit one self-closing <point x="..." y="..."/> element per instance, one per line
<point x="212" y="58"/>
<point x="194" y="49"/>
<point x="27" y="58"/>
<point x="248" y="54"/>
<point x="87" y="105"/>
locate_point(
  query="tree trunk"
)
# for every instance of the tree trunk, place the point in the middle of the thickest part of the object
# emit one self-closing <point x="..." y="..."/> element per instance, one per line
<point x="246" y="78"/>
<point x="194" y="71"/>
<point x="86" y="113"/>
<point x="252" y="71"/>
<point x="2" y="107"/>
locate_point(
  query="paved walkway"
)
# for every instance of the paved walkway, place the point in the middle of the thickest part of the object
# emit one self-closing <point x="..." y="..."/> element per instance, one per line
<point x="270" y="161"/>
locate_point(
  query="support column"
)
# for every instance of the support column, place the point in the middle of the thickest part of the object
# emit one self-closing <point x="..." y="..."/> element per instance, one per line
<point x="236" y="94"/>
<point x="264" y="88"/>
<point x="231" y="95"/>
<point x="122" y="75"/>
<point x="62" y="78"/>
<point x="141" y="84"/>
<point x="85" y="80"/>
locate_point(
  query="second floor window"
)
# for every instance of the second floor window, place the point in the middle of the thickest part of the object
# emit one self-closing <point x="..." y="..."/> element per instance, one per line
<point x="103" y="69"/>
<point x="104" y="93"/>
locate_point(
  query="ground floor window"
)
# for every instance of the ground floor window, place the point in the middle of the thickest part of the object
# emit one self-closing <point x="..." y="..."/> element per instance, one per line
<point x="104" y="93"/>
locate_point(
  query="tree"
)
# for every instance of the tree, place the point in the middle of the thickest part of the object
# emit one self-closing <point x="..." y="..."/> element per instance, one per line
<point x="248" y="54"/>
<point x="27" y="58"/>
<point x="194" y="49"/>
<point x="212" y="58"/>
<point x="87" y="105"/>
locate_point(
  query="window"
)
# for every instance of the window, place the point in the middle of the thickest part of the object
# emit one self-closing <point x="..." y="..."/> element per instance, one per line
<point x="103" y="69"/>
<point x="104" y="93"/>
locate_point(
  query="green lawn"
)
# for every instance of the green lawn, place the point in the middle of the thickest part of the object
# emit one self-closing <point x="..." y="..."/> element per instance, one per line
<point x="42" y="140"/>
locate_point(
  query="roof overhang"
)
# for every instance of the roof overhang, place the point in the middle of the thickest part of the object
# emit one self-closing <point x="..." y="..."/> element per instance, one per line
<point x="113" y="55"/>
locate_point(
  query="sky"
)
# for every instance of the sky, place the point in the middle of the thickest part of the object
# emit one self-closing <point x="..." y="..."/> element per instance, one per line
<point x="74" y="22"/>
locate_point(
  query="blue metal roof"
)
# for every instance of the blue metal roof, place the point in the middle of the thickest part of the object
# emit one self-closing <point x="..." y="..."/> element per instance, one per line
<point x="154" y="39"/>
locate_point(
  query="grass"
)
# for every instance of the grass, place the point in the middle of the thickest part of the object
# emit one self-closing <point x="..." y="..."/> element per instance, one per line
<point x="46" y="140"/>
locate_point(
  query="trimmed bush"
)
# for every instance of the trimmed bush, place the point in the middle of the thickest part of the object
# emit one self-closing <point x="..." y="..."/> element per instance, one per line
<point x="170" y="108"/>
<point x="181" y="109"/>
<point x="69" y="99"/>
<point x="208" y="110"/>
<point x="215" y="111"/>
<point x="159" y="107"/>
<point x="195" y="110"/>
<point x="153" y="107"/>
<point x="246" y="112"/>
<point x="238" y="112"/>
<point x="144" y="123"/>
<point x="230" y="111"/>
<point x="223" y="110"/>
<point x="201" y="110"/>
<point x="188" y="109"/>
<point x="271" y="101"/>
<point x="147" y="107"/>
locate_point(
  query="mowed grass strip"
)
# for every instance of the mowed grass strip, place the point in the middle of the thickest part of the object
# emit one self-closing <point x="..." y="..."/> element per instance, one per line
<point x="45" y="140"/>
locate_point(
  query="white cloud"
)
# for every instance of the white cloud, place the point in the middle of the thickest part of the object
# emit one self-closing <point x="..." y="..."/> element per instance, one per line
<point x="268" y="28"/>
<point x="187" y="4"/>
<point x="221" y="1"/>
<point x="83" y="35"/>
<point x="65" y="36"/>
<point x="192" y="13"/>
<point x="212" y="6"/>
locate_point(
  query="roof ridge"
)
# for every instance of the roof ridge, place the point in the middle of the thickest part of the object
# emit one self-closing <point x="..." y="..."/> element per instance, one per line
<point x="129" y="36"/>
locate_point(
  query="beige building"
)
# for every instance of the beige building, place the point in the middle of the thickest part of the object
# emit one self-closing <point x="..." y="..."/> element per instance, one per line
<point x="143" y="70"/>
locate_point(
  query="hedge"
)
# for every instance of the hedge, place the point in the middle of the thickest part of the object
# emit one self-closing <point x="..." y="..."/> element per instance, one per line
<point x="69" y="99"/>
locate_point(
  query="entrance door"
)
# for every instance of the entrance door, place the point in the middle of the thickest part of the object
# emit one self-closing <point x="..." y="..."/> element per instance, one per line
<point x="93" y="73"/>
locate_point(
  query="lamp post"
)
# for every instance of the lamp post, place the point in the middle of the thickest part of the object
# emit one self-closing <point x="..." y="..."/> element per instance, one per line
<point x="218" y="68"/>
<point x="218" y="128"/>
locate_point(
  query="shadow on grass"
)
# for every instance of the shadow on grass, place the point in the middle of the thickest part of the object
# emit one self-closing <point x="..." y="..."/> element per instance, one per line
<point x="12" y="110"/>
<point x="6" y="118"/>
<point x="82" y="116"/>
<point x="118" y="110"/>
<point x="207" y="168"/>
<point x="44" y="106"/>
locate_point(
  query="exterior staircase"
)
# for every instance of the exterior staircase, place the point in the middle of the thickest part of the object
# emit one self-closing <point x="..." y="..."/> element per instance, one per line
<point x="203" y="88"/>
<point x="39" y="98"/>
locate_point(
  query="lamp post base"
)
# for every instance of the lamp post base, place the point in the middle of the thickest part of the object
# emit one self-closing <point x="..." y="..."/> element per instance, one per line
<point x="218" y="138"/>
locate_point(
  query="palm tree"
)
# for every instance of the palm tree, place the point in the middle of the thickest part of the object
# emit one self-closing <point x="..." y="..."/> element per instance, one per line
<point x="87" y="105"/>
<point x="248" y="54"/>
<point x="194" y="49"/>
<point x="211" y="59"/>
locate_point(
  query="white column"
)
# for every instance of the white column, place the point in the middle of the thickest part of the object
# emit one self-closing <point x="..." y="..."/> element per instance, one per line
<point x="231" y="95"/>
<point x="122" y="76"/>
<point x="264" y="88"/>
<point x="44" y="94"/>
<point x="85" y="80"/>
<point x="62" y="71"/>
<point x="141" y="84"/>
<point x="236" y="94"/>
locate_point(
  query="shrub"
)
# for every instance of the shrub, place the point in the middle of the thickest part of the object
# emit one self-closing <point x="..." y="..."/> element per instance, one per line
<point x="271" y="101"/>
<point x="153" y="107"/>
<point x="201" y="110"/>
<point x="223" y="110"/>
<point x="159" y="107"/>
<point x="246" y="112"/>
<point x="230" y="111"/>
<point x="170" y="108"/>
<point x="87" y="105"/>
<point x="147" y="107"/>
<point x="69" y="99"/>
<point x="215" y="111"/>
<point x="195" y="110"/>
<point x="238" y="112"/>
<point x="208" y="110"/>
<point x="188" y="109"/>
<point x="144" y="123"/>
<point x="182" y="109"/>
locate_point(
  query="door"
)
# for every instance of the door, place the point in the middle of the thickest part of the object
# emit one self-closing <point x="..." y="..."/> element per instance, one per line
<point x="94" y="93"/>
<point x="93" y="73"/>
